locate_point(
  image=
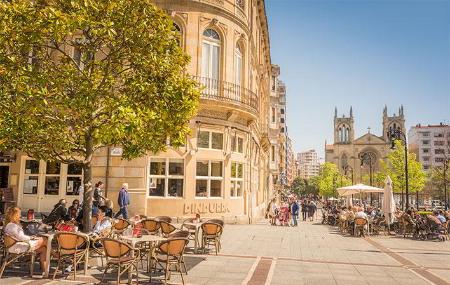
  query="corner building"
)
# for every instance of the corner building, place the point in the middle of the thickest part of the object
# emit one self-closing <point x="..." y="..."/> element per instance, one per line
<point x="223" y="169"/>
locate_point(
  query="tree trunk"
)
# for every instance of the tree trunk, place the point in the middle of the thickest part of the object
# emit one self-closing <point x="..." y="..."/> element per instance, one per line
<point x="88" y="189"/>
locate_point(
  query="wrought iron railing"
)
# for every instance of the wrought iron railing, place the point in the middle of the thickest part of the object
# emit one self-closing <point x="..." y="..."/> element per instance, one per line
<point x="228" y="92"/>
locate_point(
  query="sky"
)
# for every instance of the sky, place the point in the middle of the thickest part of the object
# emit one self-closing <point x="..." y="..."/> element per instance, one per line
<point x="364" y="54"/>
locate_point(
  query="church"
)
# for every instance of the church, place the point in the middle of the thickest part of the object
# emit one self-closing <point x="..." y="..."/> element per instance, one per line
<point x="357" y="157"/>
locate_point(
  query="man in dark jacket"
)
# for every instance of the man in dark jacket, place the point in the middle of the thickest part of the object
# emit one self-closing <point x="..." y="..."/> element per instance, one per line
<point x="123" y="201"/>
<point x="294" y="212"/>
<point x="58" y="213"/>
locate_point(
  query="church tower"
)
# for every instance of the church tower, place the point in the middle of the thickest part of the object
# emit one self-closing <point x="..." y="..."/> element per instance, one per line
<point x="344" y="132"/>
<point x="394" y="122"/>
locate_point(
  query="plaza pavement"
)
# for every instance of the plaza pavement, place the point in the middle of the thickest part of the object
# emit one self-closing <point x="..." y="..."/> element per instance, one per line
<point x="308" y="254"/>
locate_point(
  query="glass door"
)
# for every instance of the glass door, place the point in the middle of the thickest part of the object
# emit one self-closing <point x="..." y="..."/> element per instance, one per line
<point x="30" y="186"/>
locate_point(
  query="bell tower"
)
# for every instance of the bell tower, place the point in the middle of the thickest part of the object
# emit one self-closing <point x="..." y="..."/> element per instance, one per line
<point x="344" y="132"/>
<point x="394" y="122"/>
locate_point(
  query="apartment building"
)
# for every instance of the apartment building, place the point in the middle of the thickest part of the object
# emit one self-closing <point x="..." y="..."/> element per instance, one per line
<point x="308" y="164"/>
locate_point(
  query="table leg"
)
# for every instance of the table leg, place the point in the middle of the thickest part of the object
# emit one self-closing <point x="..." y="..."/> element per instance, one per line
<point x="86" y="263"/>
<point x="48" y="253"/>
<point x="130" y="271"/>
<point x="196" y="240"/>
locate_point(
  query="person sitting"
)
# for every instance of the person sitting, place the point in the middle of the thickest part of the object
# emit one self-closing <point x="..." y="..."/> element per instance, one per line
<point x="58" y="213"/>
<point x="74" y="210"/>
<point x="440" y="216"/>
<point x="103" y="223"/>
<point x="14" y="230"/>
<point x="109" y="208"/>
<point x="361" y="214"/>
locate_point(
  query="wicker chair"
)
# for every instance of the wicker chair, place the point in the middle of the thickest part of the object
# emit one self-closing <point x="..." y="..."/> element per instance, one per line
<point x="151" y="226"/>
<point x="11" y="257"/>
<point x="120" y="226"/>
<point x="164" y="219"/>
<point x="121" y="255"/>
<point x="72" y="249"/>
<point x="211" y="233"/>
<point x="171" y="252"/>
<point x="96" y="250"/>
<point x="360" y="226"/>
<point x="180" y="234"/>
<point x="167" y="228"/>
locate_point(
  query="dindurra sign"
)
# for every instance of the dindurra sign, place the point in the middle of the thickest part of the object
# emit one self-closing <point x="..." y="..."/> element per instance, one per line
<point x="205" y="207"/>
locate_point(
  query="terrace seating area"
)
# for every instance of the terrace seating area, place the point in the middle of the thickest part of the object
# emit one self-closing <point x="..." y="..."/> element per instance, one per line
<point x="140" y="248"/>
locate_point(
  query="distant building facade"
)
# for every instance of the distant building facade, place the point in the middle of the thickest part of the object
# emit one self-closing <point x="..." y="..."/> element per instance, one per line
<point x="360" y="154"/>
<point x="431" y="144"/>
<point x="308" y="164"/>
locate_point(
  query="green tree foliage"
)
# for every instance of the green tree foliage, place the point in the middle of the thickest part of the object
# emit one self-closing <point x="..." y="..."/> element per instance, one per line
<point x="79" y="75"/>
<point x="378" y="179"/>
<point x="438" y="178"/>
<point x="329" y="179"/>
<point x="298" y="186"/>
<point x="395" y="168"/>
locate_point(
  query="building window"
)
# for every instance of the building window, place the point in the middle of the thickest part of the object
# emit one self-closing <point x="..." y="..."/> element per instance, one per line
<point x="438" y="143"/>
<point x="426" y="158"/>
<point x="273" y="153"/>
<point x="209" y="179"/>
<point x="178" y="34"/>
<point x="439" y="151"/>
<point x="238" y="68"/>
<point x="274" y="83"/>
<point x="166" y="177"/>
<point x="237" y="179"/>
<point x="211" y="54"/>
<point x="425" y="134"/>
<point x="426" y="167"/>
<point x="282" y="111"/>
<point x="282" y="120"/>
<point x="52" y="178"/>
<point x="274" y="116"/>
<point x="74" y="179"/>
<point x="211" y="140"/>
<point x="237" y="144"/>
<point x="31" y="177"/>
<point x="426" y="150"/>
<point x="425" y="142"/>
<point x="282" y="130"/>
<point x="439" y="159"/>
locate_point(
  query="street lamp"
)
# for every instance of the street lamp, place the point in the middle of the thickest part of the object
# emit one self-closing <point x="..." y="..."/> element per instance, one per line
<point x="370" y="158"/>
<point x="397" y="134"/>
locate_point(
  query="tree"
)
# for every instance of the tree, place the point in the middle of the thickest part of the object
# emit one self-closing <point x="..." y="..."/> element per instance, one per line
<point x="80" y="75"/>
<point x="438" y="178"/>
<point x="329" y="179"/>
<point x="395" y="168"/>
<point x="298" y="186"/>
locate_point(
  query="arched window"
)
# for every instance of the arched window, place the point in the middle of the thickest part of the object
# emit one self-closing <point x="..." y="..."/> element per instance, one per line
<point x="178" y="34"/>
<point x="238" y="61"/>
<point x="211" y="55"/>
<point x="347" y="139"/>
<point x="344" y="161"/>
<point x="340" y="135"/>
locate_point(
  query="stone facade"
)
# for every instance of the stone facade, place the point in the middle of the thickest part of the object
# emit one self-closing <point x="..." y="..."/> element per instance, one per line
<point x="223" y="169"/>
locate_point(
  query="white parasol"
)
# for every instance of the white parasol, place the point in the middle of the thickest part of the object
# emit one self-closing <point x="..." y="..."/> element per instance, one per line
<point x="388" y="201"/>
<point x="358" y="188"/>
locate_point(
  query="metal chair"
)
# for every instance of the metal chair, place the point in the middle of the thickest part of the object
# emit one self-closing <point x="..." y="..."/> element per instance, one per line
<point x="11" y="257"/>
<point x="120" y="226"/>
<point x="72" y="249"/>
<point x="151" y="226"/>
<point x="211" y="233"/>
<point x="171" y="252"/>
<point x="121" y="255"/>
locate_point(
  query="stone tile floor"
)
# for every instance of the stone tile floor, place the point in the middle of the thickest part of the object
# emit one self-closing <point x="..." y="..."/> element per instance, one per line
<point x="309" y="254"/>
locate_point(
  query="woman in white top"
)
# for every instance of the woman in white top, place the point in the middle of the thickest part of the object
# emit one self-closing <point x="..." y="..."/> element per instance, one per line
<point x="14" y="230"/>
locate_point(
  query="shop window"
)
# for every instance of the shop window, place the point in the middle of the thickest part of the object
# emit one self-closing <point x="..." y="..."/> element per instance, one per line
<point x="31" y="178"/>
<point x="209" y="179"/>
<point x="74" y="179"/>
<point x="166" y="177"/>
<point x="52" y="178"/>
<point x="237" y="179"/>
<point x="211" y="140"/>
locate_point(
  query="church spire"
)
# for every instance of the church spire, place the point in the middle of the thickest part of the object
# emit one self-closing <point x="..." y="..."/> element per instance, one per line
<point x="351" y="112"/>
<point x="335" y="112"/>
<point x="385" y="111"/>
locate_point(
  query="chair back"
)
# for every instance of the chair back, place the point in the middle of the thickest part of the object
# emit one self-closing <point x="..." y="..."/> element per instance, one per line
<point x="71" y="240"/>
<point x="115" y="248"/>
<point x="151" y="225"/>
<point x="211" y="229"/>
<point x="179" y="234"/>
<point x="9" y="241"/>
<point x="173" y="246"/>
<point x="121" y="224"/>
<point x="167" y="228"/>
<point x="164" y="219"/>
<point x="360" y="221"/>
<point x="216" y="221"/>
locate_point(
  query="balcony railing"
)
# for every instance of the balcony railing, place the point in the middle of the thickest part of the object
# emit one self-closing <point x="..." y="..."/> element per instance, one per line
<point x="228" y="92"/>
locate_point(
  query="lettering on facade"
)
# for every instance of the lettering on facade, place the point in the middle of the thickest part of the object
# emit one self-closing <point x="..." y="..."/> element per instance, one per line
<point x="206" y="208"/>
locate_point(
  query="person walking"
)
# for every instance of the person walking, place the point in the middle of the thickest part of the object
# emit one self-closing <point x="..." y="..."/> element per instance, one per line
<point x="123" y="201"/>
<point x="98" y="195"/>
<point x="294" y="212"/>
<point x="311" y="210"/>
<point x="304" y="209"/>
